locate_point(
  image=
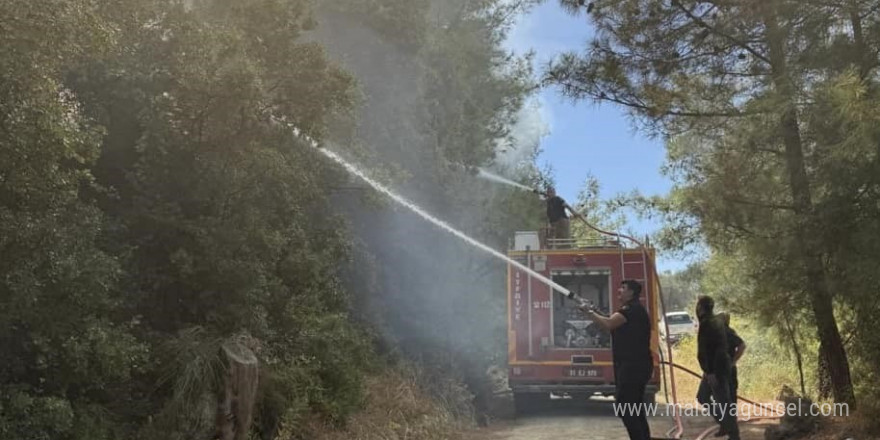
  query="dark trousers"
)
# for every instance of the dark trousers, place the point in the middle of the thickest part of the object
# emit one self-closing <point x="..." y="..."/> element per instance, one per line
<point x="724" y="408"/>
<point x="631" y="380"/>
<point x="734" y="383"/>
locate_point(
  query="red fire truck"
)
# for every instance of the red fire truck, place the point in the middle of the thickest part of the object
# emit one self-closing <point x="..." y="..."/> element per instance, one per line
<point x="553" y="347"/>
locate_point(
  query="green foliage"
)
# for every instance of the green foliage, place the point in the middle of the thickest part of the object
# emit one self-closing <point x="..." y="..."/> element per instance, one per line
<point x="193" y="368"/>
<point x="433" y="107"/>
<point x="599" y="214"/>
<point x="65" y="355"/>
<point x="768" y="112"/>
<point x="681" y="289"/>
<point x="764" y="348"/>
<point x="145" y="191"/>
<point x="35" y="418"/>
<point x="154" y="203"/>
<point x="472" y="88"/>
<point x="404" y="22"/>
<point x="398" y="406"/>
<point x="766" y="366"/>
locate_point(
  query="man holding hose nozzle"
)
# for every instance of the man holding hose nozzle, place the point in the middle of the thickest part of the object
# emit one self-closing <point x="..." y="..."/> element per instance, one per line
<point x="630" y="329"/>
<point x="560" y="227"/>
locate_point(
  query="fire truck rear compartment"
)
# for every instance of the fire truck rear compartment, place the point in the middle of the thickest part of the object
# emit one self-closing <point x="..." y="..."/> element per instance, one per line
<point x="571" y="327"/>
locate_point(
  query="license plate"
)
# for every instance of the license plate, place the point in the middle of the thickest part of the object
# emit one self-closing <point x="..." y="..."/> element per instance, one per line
<point x="582" y="372"/>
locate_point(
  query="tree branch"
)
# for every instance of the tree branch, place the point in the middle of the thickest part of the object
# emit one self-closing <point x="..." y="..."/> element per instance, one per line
<point x="602" y="96"/>
<point x="702" y="23"/>
<point x="758" y="204"/>
<point x="748" y="232"/>
<point x="742" y="74"/>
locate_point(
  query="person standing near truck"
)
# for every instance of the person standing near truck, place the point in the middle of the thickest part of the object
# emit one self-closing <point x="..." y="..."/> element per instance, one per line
<point x="712" y="353"/>
<point x="735" y="349"/>
<point x="630" y="329"/>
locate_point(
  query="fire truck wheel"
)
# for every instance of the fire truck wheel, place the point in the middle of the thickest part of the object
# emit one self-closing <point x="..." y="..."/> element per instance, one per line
<point x="650" y="397"/>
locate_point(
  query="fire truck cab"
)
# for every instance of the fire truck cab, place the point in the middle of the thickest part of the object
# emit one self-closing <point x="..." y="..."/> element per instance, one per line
<point x="553" y="347"/>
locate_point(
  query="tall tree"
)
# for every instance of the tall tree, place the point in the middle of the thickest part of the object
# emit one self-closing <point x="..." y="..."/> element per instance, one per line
<point x="161" y="120"/>
<point x="733" y="79"/>
<point x="67" y="357"/>
<point x="682" y="288"/>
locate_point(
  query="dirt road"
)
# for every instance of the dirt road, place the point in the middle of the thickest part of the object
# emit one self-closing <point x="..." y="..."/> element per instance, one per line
<point x="594" y="420"/>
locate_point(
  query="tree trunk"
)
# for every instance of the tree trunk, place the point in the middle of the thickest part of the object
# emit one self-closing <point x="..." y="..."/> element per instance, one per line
<point x="823" y="376"/>
<point x="831" y="349"/>
<point x="792" y="334"/>
<point x="236" y="403"/>
<point x="863" y="55"/>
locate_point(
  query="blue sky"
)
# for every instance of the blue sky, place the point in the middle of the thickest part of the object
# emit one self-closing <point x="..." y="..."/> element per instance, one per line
<point x="583" y="137"/>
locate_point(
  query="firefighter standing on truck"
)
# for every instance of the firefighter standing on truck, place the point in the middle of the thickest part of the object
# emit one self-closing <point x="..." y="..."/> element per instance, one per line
<point x="630" y="329"/>
<point x="560" y="227"/>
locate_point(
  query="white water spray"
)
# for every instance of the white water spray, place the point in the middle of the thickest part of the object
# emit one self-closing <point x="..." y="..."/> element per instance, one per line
<point x="496" y="178"/>
<point x="440" y="223"/>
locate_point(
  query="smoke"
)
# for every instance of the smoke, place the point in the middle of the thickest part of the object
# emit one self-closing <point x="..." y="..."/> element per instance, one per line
<point x="355" y="171"/>
<point x="532" y="125"/>
<point x="430" y="295"/>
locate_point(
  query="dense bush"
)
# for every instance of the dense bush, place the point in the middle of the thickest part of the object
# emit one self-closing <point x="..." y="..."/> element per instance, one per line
<point x="153" y="208"/>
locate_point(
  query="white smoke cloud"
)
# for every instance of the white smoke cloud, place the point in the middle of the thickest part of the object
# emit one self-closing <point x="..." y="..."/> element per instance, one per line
<point x="532" y="125"/>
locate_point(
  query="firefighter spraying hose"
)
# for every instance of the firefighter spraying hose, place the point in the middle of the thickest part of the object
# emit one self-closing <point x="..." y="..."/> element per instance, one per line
<point x="672" y="366"/>
<point x="354" y="170"/>
<point x="557" y="205"/>
<point x="665" y="361"/>
<point x="677" y="430"/>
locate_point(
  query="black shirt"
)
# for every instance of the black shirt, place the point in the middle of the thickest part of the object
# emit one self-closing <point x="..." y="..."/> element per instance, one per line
<point x="556" y="209"/>
<point x="631" y="342"/>
<point x="733" y="341"/>
<point x="712" y="346"/>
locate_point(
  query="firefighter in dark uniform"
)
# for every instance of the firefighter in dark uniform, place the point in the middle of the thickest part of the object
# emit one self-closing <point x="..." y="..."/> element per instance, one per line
<point x="630" y="329"/>
<point x="712" y="352"/>
<point x="557" y="217"/>
<point x="735" y="349"/>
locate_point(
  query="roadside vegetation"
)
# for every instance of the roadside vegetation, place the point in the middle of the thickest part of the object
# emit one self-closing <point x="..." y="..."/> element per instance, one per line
<point x="177" y="263"/>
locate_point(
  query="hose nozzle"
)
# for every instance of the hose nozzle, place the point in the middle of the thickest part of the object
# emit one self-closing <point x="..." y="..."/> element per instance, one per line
<point x="583" y="302"/>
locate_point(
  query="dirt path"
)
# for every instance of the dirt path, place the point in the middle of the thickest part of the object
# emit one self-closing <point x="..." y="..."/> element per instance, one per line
<point x="594" y="420"/>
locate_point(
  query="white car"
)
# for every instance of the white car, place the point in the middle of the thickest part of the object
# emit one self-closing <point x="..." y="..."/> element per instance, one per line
<point x="680" y="325"/>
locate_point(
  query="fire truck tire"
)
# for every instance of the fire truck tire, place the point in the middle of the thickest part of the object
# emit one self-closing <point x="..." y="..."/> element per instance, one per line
<point x="650" y="397"/>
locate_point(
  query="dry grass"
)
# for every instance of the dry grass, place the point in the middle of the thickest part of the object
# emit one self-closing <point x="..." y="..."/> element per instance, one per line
<point x="763" y="370"/>
<point x="396" y="408"/>
<point x="684" y="354"/>
<point x="840" y="428"/>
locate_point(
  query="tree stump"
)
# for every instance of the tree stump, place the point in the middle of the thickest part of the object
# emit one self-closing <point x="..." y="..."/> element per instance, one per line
<point x="238" y="396"/>
<point x="793" y="425"/>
